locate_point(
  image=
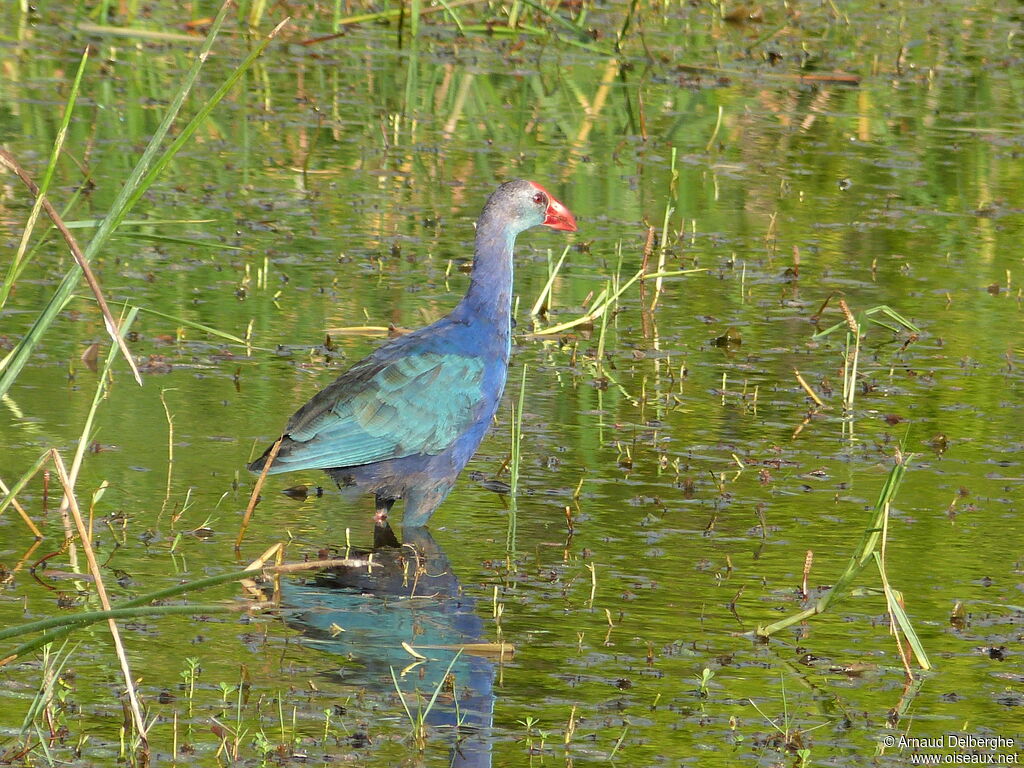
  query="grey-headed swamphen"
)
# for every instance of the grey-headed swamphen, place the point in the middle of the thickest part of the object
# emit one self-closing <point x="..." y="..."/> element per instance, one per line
<point x="404" y="421"/>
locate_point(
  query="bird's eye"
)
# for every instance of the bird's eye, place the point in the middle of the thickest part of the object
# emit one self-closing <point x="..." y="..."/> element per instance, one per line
<point x="539" y="198"/>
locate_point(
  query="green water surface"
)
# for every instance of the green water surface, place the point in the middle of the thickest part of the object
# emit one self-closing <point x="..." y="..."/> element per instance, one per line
<point x="336" y="187"/>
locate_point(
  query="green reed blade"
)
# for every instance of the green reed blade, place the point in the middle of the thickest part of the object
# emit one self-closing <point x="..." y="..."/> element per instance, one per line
<point x="455" y="17"/>
<point x="193" y="125"/>
<point x="894" y="315"/>
<point x="16" y="266"/>
<point x="895" y="600"/>
<point x="198" y="326"/>
<point x="73" y="620"/>
<point x="141" y="600"/>
<point x="49" y="231"/>
<point x="93" y="223"/>
<point x="148" y="237"/>
<point x="137" y="32"/>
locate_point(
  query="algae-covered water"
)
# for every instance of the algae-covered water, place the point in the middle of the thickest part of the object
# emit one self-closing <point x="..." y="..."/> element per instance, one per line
<point x="676" y="481"/>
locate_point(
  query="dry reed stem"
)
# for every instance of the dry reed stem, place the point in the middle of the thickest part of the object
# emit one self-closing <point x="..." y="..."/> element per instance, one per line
<point x="170" y="452"/>
<point x="8" y="160"/>
<point x="332" y="562"/>
<point x="272" y="551"/>
<point x="101" y="591"/>
<point x="807" y="388"/>
<point x="256" y="492"/>
<point x="250" y="586"/>
<point x="21" y="511"/>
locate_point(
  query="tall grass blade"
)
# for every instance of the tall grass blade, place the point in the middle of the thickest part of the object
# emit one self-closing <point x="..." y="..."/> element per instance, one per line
<point x="894" y="599"/>
<point x="53" y="665"/>
<point x="69" y="206"/>
<point x="401" y="697"/>
<point x="130" y="192"/>
<point x="391" y="13"/>
<point x="454" y="16"/>
<point x="517" y="435"/>
<point x="16" y="266"/>
<point x="137" y="32"/>
<point x="8" y="160"/>
<point x="101" y="391"/>
<point x="437" y="690"/>
<point x="414" y="18"/>
<point x="74" y="620"/>
<point x="148" y="237"/>
<point x="553" y="16"/>
<point x="93" y="223"/>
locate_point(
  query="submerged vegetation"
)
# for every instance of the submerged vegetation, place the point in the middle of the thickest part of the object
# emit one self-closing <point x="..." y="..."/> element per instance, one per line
<point x="219" y="203"/>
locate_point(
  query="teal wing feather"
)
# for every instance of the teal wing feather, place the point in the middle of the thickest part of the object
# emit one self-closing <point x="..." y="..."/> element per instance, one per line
<point x="378" y="410"/>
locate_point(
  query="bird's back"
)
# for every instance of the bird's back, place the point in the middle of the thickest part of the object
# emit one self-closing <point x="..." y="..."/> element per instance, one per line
<point x="418" y="395"/>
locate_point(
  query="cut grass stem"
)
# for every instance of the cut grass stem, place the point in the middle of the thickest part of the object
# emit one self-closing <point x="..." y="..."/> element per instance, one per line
<point x="605" y="300"/>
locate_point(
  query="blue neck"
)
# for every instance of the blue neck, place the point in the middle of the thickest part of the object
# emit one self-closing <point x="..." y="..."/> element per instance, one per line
<point x="489" y="297"/>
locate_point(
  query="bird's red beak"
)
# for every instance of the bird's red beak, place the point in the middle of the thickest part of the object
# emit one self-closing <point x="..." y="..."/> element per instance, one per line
<point x="557" y="215"/>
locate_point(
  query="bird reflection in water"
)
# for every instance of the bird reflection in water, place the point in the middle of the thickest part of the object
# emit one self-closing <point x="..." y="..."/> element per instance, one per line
<point x="411" y="596"/>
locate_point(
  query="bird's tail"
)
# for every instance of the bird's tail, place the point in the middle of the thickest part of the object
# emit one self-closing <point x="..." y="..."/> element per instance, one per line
<point x="261" y="462"/>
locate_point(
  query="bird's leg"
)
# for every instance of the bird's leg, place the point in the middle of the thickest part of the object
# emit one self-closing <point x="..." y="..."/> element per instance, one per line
<point x="384" y="505"/>
<point x="384" y="537"/>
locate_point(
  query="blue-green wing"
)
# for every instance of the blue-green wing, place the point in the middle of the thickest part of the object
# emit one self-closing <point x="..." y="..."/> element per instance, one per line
<point x="385" y="409"/>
